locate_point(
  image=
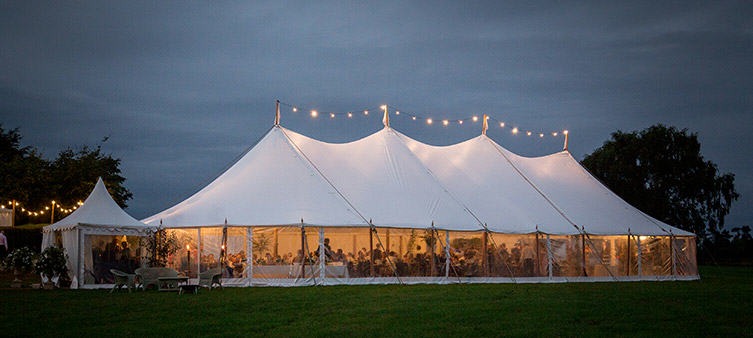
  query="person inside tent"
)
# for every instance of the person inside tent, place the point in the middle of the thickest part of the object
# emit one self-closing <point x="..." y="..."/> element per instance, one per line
<point x="328" y="254"/>
<point x="527" y="255"/>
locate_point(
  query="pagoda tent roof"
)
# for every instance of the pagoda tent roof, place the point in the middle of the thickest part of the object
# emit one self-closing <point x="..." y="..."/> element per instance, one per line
<point x="98" y="210"/>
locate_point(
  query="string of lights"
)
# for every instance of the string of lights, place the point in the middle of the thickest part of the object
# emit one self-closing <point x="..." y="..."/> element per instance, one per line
<point x="57" y="207"/>
<point x="428" y="119"/>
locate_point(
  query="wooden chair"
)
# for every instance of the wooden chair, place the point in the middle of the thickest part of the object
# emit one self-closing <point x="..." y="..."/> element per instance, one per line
<point x="211" y="277"/>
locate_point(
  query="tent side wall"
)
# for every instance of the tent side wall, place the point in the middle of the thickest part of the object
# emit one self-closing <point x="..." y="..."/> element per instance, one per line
<point x="309" y="255"/>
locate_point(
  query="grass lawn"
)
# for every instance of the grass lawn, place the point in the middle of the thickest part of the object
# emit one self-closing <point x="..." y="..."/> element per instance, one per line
<point x="720" y="304"/>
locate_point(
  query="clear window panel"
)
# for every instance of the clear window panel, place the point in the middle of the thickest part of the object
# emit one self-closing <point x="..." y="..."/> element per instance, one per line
<point x="105" y="252"/>
<point x="185" y="259"/>
<point x="656" y="259"/>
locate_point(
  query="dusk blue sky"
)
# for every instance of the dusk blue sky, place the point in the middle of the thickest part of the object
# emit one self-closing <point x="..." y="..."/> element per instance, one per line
<point x="183" y="88"/>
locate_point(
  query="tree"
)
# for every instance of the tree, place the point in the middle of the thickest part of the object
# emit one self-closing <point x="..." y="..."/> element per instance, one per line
<point x="74" y="173"/>
<point x="660" y="170"/>
<point x="26" y="176"/>
<point x="23" y="171"/>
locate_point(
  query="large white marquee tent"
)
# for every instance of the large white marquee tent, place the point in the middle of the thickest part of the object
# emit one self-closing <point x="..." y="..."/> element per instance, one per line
<point x="389" y="209"/>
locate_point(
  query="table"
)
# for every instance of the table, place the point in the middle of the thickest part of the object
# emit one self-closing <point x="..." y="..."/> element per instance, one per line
<point x="294" y="271"/>
<point x="170" y="283"/>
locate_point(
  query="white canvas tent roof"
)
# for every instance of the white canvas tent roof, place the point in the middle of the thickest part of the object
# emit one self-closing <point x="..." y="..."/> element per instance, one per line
<point x="272" y="184"/>
<point x="585" y="200"/>
<point x="490" y="186"/>
<point x="396" y="181"/>
<point x="99" y="209"/>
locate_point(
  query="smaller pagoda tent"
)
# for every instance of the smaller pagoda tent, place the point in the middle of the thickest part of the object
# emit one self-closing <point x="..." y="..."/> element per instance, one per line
<point x="99" y="218"/>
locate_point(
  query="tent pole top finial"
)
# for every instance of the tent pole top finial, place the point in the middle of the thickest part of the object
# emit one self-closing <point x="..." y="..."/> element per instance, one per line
<point x="277" y="113"/>
<point x="386" y="118"/>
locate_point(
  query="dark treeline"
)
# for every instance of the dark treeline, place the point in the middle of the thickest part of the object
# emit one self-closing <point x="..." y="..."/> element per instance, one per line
<point x="33" y="181"/>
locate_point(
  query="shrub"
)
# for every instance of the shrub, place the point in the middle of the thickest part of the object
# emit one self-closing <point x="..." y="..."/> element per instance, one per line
<point x="21" y="259"/>
<point x="52" y="263"/>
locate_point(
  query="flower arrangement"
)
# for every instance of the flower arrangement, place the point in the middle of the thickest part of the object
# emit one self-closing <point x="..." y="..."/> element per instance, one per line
<point x="52" y="263"/>
<point x="21" y="259"/>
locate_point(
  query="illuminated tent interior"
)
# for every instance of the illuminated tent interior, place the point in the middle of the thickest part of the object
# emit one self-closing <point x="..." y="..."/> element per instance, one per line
<point x="389" y="209"/>
<point x="98" y="236"/>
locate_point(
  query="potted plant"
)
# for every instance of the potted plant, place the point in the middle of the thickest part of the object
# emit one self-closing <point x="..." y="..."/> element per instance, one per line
<point x="21" y="260"/>
<point x="161" y="245"/>
<point x="51" y="264"/>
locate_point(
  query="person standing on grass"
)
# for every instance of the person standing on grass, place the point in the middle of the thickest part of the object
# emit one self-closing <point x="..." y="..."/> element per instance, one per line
<point x="3" y="245"/>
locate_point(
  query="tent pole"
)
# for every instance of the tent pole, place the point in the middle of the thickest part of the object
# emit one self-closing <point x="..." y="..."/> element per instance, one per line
<point x="387" y="240"/>
<point x="80" y="267"/>
<point x="447" y="254"/>
<point x="249" y="253"/>
<point x="371" y="249"/>
<point x="433" y="252"/>
<point x="275" y="248"/>
<point x="640" y="256"/>
<point x="627" y="273"/>
<point x="672" y="254"/>
<point x="536" y="267"/>
<point x="485" y="251"/>
<point x="322" y="256"/>
<point x="303" y="251"/>
<point x="583" y="254"/>
<point x="198" y="253"/>
<point x="223" y="249"/>
<point x="277" y="113"/>
<point x="549" y="256"/>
